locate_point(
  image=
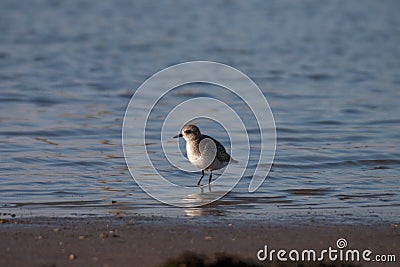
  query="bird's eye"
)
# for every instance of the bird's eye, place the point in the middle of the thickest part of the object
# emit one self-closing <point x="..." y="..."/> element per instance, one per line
<point x="188" y="131"/>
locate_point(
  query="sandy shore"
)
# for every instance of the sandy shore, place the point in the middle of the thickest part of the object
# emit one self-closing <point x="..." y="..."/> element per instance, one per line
<point x="151" y="241"/>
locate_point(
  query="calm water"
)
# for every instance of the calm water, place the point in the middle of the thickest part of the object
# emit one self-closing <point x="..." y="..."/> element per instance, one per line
<point x="330" y="71"/>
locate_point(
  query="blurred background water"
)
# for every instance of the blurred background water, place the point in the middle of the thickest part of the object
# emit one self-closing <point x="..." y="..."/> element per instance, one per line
<point x="329" y="69"/>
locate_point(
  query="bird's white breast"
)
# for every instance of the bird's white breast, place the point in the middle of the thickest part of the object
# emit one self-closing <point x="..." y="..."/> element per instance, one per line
<point x="203" y="154"/>
<point x="192" y="151"/>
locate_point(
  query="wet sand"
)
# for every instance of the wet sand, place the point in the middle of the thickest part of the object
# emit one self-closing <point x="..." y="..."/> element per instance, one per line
<point x="151" y="241"/>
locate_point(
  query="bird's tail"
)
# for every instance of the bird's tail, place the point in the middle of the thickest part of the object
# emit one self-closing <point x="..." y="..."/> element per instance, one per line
<point x="232" y="160"/>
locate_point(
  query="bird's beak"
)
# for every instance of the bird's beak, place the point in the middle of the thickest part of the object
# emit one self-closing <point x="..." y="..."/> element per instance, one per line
<point x="178" y="135"/>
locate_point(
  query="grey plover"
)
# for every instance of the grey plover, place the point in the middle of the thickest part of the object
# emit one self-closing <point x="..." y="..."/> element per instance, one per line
<point x="203" y="151"/>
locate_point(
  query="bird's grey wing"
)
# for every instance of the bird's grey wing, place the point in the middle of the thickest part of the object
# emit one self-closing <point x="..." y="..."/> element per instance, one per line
<point x="221" y="152"/>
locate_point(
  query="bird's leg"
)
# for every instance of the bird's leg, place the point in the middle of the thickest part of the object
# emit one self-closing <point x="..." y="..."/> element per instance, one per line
<point x="202" y="175"/>
<point x="209" y="179"/>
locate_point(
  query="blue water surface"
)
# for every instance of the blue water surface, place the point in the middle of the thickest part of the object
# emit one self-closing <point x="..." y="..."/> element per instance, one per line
<point x="329" y="69"/>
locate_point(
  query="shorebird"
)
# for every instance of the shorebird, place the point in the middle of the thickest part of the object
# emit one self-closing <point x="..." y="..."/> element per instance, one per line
<point x="203" y="151"/>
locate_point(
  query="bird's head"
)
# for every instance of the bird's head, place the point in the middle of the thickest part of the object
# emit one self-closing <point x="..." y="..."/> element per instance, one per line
<point x="189" y="132"/>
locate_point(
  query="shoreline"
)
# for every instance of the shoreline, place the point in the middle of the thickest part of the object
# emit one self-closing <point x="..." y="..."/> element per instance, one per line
<point x="152" y="241"/>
